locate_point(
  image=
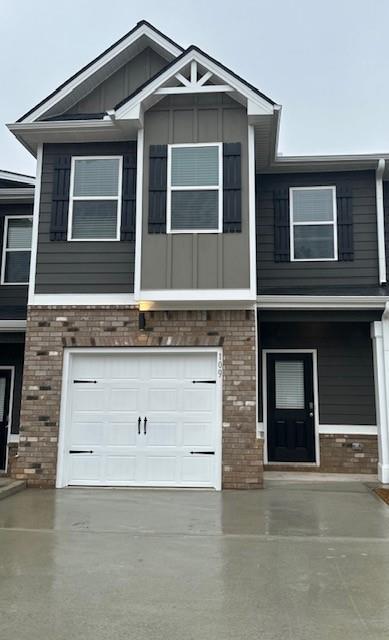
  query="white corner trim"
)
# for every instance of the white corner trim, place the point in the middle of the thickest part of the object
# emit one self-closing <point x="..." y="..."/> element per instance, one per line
<point x="143" y="30"/>
<point x="381" y="221"/>
<point x="13" y="325"/>
<point x="35" y="223"/>
<point x="82" y="299"/>
<point x="139" y="212"/>
<point x="348" y="429"/>
<point x="252" y="213"/>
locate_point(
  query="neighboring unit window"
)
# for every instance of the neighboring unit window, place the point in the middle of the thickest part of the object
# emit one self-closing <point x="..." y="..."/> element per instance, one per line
<point x="313" y="223"/>
<point x="16" y="250"/>
<point x="194" y="199"/>
<point x="95" y="199"/>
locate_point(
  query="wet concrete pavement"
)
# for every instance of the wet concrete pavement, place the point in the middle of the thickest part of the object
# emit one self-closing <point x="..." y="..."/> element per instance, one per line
<point x="296" y="561"/>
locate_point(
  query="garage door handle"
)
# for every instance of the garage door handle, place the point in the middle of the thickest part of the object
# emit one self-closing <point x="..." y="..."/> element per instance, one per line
<point x="203" y="453"/>
<point x="77" y="451"/>
<point x="144" y="426"/>
<point x="139" y="422"/>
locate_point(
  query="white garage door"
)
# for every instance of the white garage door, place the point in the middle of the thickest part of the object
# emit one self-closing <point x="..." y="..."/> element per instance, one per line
<point x="142" y="419"/>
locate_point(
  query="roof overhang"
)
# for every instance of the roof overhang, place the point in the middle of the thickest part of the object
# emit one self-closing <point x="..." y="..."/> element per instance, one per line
<point x="19" y="178"/>
<point x="321" y="302"/>
<point x="16" y="195"/>
<point x="80" y="84"/>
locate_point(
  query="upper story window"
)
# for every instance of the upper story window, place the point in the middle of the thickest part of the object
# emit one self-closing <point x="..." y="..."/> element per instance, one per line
<point x="15" y="268"/>
<point x="95" y="198"/>
<point x="195" y="188"/>
<point x="313" y="228"/>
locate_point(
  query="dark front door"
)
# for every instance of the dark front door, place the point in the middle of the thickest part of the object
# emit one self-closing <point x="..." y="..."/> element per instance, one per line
<point x="5" y="391"/>
<point x="291" y="422"/>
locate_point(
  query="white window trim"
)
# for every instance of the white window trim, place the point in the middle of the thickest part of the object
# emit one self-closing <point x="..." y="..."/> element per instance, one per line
<point x="6" y="250"/>
<point x="293" y="224"/>
<point x="10" y="436"/>
<point x="118" y="199"/>
<point x="218" y="188"/>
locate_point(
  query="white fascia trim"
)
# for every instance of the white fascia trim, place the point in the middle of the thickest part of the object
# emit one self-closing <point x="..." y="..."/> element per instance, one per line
<point x="381" y="221"/>
<point x="10" y="176"/>
<point x="263" y="105"/>
<point x="321" y="302"/>
<point x="348" y="429"/>
<point x="143" y="30"/>
<point x="12" y="325"/>
<point x="35" y="224"/>
<point x="139" y="218"/>
<point x="17" y="194"/>
<point x="82" y="299"/>
<point x="182" y="295"/>
<point x="59" y="126"/>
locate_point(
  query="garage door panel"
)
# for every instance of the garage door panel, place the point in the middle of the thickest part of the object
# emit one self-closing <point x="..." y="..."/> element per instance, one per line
<point x="126" y="398"/>
<point x="161" y="469"/>
<point x="85" y="468"/>
<point x="118" y="467"/>
<point x="199" y="367"/>
<point x="86" y="433"/>
<point x="123" y="367"/>
<point x="161" y="433"/>
<point x="120" y="434"/>
<point x="161" y="367"/>
<point x="197" y="469"/>
<point x="197" y="433"/>
<point x="87" y="397"/>
<point x="161" y="399"/>
<point x="198" y="398"/>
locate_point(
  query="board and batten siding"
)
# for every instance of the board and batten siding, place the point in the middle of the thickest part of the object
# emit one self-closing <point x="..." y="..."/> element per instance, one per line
<point x="344" y="362"/>
<point x="362" y="271"/>
<point x="190" y="260"/>
<point x="13" y="298"/>
<point x="122" y="83"/>
<point x="79" y="267"/>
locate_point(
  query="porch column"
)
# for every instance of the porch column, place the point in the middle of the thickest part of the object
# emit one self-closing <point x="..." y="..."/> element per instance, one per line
<point x="380" y="337"/>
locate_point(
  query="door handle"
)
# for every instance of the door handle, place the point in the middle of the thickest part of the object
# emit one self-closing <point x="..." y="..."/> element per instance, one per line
<point x="139" y="421"/>
<point x="311" y="414"/>
<point x="144" y="426"/>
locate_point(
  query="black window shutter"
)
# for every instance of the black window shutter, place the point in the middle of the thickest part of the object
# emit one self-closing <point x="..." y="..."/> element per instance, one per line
<point x="232" y="188"/>
<point x="345" y="224"/>
<point x="127" y="228"/>
<point x="157" y="188"/>
<point x="281" y="225"/>
<point x="60" y="200"/>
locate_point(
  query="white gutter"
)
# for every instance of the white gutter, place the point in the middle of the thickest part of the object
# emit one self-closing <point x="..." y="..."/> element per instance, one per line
<point x="380" y="221"/>
<point x="321" y="302"/>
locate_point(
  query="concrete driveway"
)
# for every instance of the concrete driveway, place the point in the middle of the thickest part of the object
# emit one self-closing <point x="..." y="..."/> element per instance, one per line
<point x="296" y="561"/>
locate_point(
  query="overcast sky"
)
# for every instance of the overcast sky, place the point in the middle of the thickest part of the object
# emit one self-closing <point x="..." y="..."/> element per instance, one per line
<point x="326" y="62"/>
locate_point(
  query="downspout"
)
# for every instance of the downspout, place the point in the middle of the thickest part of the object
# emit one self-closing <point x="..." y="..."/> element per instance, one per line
<point x="380" y="221"/>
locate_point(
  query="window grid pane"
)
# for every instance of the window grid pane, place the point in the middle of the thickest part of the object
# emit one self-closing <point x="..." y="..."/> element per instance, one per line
<point x="289" y="385"/>
<point x="313" y="205"/>
<point x="19" y="233"/>
<point x="195" y="166"/>
<point x="314" y="242"/>
<point x="96" y="177"/>
<point x="94" y="219"/>
<point x="193" y="210"/>
<point x="17" y="267"/>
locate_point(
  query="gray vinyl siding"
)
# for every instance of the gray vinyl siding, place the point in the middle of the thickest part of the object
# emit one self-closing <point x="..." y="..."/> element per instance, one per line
<point x="345" y="365"/>
<point x="13" y="298"/>
<point x="122" y="83"/>
<point x="196" y="261"/>
<point x="79" y="267"/>
<point x="272" y="277"/>
<point x="12" y="354"/>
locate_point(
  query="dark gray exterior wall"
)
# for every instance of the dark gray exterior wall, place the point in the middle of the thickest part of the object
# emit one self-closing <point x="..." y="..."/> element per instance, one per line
<point x="121" y="83"/>
<point x="12" y="354"/>
<point x="13" y="299"/>
<point x="345" y="365"/>
<point x="284" y="277"/>
<point x="196" y="261"/>
<point x="79" y="267"/>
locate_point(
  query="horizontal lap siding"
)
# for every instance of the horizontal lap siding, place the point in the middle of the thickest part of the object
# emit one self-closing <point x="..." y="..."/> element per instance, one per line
<point x="345" y="365"/>
<point x="362" y="271"/>
<point x="13" y="299"/>
<point x="80" y="267"/>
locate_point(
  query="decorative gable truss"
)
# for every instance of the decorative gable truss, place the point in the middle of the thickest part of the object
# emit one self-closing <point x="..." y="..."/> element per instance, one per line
<point x="193" y="72"/>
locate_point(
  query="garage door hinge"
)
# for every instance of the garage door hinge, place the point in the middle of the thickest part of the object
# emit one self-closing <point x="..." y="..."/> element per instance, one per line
<point x="203" y="453"/>
<point x="85" y="381"/>
<point x="204" y="381"/>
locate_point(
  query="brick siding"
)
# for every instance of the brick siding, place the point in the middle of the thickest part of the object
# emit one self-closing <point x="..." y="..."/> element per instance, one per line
<point x="51" y="329"/>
